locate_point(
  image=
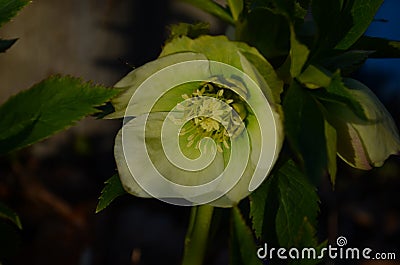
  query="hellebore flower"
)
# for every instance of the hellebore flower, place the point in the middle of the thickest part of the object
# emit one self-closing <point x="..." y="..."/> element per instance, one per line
<point x="195" y="130"/>
<point x="371" y="141"/>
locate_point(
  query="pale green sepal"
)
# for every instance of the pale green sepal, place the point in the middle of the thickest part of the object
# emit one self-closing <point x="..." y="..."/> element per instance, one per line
<point x="249" y="69"/>
<point x="127" y="180"/>
<point x="135" y="78"/>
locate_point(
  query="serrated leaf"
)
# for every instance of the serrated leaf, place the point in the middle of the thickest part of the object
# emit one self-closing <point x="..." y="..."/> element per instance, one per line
<point x="340" y="24"/>
<point x="48" y="107"/>
<point x="236" y="7"/>
<point x="243" y="246"/>
<point x="304" y="125"/>
<point x="362" y="13"/>
<point x="213" y="8"/>
<point x="380" y="48"/>
<point x="298" y="208"/>
<point x="298" y="54"/>
<point x="6" y="44"/>
<point x="286" y="7"/>
<point x="9" y="8"/>
<point x="315" y="77"/>
<point x="8" y="214"/>
<point x="264" y="203"/>
<point x="339" y="90"/>
<point x="284" y="209"/>
<point x="189" y="30"/>
<point x="110" y="192"/>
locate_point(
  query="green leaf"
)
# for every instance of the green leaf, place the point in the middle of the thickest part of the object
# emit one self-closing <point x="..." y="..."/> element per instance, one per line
<point x="9" y="8"/>
<point x="110" y="192"/>
<point x="340" y="24"/>
<point x="315" y="77"/>
<point x="332" y="21"/>
<point x="337" y="91"/>
<point x="298" y="54"/>
<point x="189" y="30"/>
<point x="381" y="48"/>
<point x="282" y="7"/>
<point x="331" y="147"/>
<point x="264" y="22"/>
<point x="8" y="214"/>
<point x="362" y="13"/>
<point x="6" y="44"/>
<point x="305" y="129"/>
<point x="236" y="7"/>
<point x="284" y="209"/>
<point x="347" y="62"/>
<point x="264" y="203"/>
<point x="298" y="208"/>
<point x="213" y="8"/>
<point x="243" y="248"/>
<point x="268" y="73"/>
<point x="48" y="107"/>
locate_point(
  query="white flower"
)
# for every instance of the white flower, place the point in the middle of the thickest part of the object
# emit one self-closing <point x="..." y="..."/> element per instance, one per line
<point x="216" y="146"/>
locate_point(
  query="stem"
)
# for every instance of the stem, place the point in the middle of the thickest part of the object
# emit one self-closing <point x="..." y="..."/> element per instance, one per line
<point x="197" y="235"/>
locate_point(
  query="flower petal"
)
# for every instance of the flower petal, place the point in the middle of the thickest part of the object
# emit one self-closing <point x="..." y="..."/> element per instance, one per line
<point x="135" y="78"/>
<point x="127" y="180"/>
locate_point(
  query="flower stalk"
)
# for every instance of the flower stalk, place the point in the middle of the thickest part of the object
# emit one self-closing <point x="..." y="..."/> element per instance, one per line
<point x="197" y="235"/>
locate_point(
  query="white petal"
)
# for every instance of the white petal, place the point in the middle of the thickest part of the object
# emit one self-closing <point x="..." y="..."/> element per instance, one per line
<point x="127" y="180"/>
<point x="135" y="78"/>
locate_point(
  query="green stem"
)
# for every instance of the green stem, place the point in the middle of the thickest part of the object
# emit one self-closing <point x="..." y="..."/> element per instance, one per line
<point x="197" y="235"/>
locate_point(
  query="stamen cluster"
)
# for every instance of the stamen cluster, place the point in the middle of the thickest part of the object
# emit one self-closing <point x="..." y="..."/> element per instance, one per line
<point x="218" y="112"/>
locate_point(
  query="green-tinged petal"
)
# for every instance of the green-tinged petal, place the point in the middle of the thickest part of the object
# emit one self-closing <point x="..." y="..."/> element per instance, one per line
<point x="267" y="72"/>
<point x="241" y="189"/>
<point x="217" y="48"/>
<point x="269" y="94"/>
<point x="136" y="166"/>
<point x="127" y="180"/>
<point x="363" y="144"/>
<point x="135" y="78"/>
<point x="261" y="143"/>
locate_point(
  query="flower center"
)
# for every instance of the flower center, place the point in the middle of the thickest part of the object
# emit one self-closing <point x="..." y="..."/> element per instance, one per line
<point x="211" y="106"/>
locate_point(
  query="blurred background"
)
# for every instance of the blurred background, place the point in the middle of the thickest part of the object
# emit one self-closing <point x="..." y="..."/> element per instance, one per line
<point x="54" y="185"/>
